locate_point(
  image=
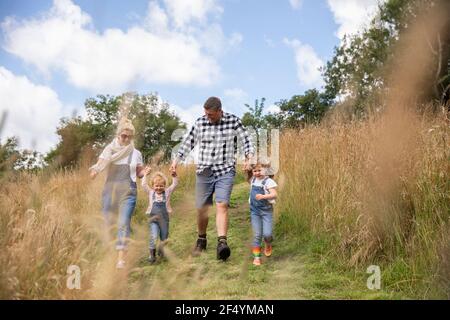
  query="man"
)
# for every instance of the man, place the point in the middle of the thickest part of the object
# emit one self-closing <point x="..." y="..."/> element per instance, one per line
<point x="217" y="133"/>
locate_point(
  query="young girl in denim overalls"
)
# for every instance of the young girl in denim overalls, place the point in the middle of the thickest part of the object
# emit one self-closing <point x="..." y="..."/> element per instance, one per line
<point x="262" y="198"/>
<point x="158" y="210"/>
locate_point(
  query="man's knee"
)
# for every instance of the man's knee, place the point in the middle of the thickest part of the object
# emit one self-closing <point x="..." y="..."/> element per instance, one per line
<point x="222" y="205"/>
<point x="203" y="211"/>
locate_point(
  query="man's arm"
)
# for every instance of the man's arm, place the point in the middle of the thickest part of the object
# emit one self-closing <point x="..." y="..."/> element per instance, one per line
<point x="186" y="147"/>
<point x="245" y="138"/>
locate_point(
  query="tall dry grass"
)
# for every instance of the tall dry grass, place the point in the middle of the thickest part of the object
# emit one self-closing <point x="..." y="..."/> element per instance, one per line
<point x="374" y="205"/>
<point x="379" y="190"/>
<point x="50" y="221"/>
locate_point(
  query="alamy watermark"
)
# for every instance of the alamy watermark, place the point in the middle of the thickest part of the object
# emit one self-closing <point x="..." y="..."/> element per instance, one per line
<point x="74" y="278"/>
<point x="374" y="280"/>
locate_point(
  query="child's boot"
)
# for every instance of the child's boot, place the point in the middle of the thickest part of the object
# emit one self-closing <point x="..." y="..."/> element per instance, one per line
<point x="268" y="246"/>
<point x="161" y="250"/>
<point x="152" y="257"/>
<point x="256" y="251"/>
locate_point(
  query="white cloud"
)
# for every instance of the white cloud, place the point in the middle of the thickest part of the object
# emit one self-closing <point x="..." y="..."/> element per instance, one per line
<point x="33" y="111"/>
<point x="234" y="100"/>
<point x="296" y="4"/>
<point x="273" y="108"/>
<point x="190" y="114"/>
<point x="174" y="45"/>
<point x="352" y="15"/>
<point x="308" y="63"/>
<point x="235" y="93"/>
<point x="184" y="12"/>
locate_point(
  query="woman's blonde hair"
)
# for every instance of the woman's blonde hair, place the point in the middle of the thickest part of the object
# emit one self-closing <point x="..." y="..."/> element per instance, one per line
<point x="125" y="124"/>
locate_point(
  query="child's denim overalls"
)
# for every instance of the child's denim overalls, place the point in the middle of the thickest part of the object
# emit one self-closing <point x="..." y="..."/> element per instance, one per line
<point x="159" y="220"/>
<point x="119" y="194"/>
<point x="261" y="212"/>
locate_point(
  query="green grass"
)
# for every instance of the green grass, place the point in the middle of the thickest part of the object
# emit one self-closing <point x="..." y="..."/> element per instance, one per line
<point x="300" y="268"/>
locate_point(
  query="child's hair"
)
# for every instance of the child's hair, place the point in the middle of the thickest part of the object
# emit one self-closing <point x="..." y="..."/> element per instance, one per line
<point x="263" y="163"/>
<point x="158" y="176"/>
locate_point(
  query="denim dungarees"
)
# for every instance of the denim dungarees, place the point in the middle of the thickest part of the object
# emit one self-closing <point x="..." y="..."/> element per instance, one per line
<point x="159" y="217"/>
<point x="119" y="195"/>
<point x="261" y="212"/>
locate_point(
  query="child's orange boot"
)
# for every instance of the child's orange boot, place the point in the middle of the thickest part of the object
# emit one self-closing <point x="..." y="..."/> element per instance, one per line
<point x="256" y="251"/>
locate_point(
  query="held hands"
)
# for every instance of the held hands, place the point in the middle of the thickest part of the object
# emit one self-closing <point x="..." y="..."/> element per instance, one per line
<point x="246" y="166"/>
<point x="247" y="163"/>
<point x="147" y="170"/>
<point x="173" y="168"/>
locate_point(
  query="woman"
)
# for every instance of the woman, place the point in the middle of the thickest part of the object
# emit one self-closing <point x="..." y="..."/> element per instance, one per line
<point x="123" y="163"/>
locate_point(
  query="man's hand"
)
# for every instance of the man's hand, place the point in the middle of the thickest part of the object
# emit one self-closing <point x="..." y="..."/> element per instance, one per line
<point x="246" y="167"/>
<point x="173" y="168"/>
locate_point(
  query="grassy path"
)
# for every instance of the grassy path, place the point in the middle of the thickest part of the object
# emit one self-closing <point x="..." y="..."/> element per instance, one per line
<point x="181" y="276"/>
<point x="297" y="269"/>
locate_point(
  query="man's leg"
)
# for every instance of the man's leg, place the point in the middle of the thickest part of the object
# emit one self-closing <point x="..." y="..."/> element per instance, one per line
<point x="223" y="188"/>
<point x="202" y="225"/>
<point x="204" y="188"/>
<point x="202" y="219"/>
<point x="222" y="219"/>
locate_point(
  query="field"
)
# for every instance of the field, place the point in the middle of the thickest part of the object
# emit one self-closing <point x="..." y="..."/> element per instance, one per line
<point x="352" y="195"/>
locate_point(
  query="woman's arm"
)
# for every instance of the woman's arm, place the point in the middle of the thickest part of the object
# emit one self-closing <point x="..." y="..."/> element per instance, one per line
<point x="101" y="162"/>
<point x="140" y="171"/>
<point x="93" y="170"/>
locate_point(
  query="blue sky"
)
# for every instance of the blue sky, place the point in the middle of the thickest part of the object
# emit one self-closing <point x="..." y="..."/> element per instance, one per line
<point x="55" y="54"/>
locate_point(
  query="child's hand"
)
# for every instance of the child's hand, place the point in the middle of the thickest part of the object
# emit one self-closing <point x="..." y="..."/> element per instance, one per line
<point x="147" y="170"/>
<point x="173" y="173"/>
<point x="259" y="197"/>
<point x="93" y="174"/>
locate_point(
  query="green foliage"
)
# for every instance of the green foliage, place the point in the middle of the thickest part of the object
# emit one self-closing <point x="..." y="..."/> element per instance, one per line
<point x="154" y="123"/>
<point x="153" y="120"/>
<point x="357" y="69"/>
<point x="12" y="158"/>
<point x="8" y="154"/>
<point x="255" y="118"/>
<point x="309" y="107"/>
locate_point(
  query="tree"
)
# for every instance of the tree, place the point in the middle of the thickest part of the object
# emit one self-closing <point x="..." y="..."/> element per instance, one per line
<point x="154" y="123"/>
<point x="9" y="153"/>
<point x="254" y="118"/>
<point x="153" y="120"/>
<point x="308" y="108"/>
<point x="357" y="69"/>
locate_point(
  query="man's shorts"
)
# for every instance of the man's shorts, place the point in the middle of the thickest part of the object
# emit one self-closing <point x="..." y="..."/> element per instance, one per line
<point x="207" y="184"/>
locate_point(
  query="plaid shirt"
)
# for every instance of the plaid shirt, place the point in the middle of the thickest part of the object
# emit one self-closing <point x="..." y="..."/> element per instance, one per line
<point x="218" y="143"/>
